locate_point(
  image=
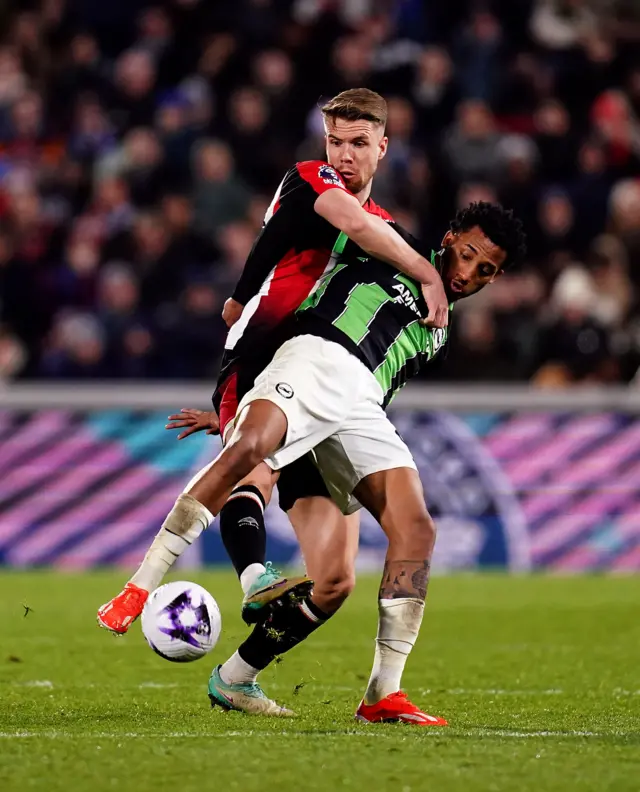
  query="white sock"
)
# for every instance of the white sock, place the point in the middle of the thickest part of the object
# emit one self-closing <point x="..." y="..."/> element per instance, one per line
<point x="249" y="575"/>
<point x="398" y="627"/>
<point x="235" y="670"/>
<point x="184" y="524"/>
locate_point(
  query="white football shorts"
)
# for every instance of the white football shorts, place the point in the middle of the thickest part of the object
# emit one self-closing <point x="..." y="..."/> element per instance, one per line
<point x="332" y="403"/>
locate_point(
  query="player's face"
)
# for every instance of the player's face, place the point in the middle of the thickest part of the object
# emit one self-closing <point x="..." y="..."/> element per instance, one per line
<point x="354" y="149"/>
<point x="471" y="262"/>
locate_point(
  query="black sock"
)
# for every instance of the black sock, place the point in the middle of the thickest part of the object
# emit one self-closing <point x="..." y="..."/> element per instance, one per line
<point x="242" y="527"/>
<point x="284" y="630"/>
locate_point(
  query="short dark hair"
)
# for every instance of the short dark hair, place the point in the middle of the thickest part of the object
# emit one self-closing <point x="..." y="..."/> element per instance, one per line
<point x="498" y="224"/>
<point x="357" y="104"/>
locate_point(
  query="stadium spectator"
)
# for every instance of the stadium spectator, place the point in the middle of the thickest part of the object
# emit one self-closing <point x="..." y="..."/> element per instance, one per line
<point x="220" y="197"/>
<point x="141" y="145"/>
<point x="472" y="146"/>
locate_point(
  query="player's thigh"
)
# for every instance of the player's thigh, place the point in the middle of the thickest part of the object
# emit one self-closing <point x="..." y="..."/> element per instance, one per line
<point x="300" y="479"/>
<point x="308" y="380"/>
<point x="366" y="444"/>
<point x="262" y="477"/>
<point x="328" y="541"/>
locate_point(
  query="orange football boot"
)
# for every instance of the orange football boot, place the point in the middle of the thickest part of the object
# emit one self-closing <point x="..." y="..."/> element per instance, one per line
<point x="119" y="613"/>
<point x="395" y="708"/>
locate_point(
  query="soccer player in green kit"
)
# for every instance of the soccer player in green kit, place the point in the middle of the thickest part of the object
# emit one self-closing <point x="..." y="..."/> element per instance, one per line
<point x="357" y="339"/>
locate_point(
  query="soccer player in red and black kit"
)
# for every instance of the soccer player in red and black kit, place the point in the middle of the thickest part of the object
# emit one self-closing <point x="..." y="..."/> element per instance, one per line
<point x="315" y="201"/>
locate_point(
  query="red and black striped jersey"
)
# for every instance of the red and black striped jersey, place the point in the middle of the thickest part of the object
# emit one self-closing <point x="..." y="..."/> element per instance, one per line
<point x="288" y="257"/>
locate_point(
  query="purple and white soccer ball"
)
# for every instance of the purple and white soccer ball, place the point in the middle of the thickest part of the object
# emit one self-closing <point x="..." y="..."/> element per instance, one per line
<point x="181" y="621"/>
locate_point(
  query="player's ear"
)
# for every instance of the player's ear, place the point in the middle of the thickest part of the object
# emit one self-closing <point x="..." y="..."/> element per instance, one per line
<point x="447" y="239"/>
<point x="382" y="147"/>
<point x="497" y="275"/>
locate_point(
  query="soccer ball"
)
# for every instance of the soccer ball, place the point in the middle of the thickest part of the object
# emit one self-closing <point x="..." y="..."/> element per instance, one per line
<point x="181" y="621"/>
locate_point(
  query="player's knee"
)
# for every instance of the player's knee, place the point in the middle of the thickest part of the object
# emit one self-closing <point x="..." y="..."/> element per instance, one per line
<point x="263" y="478"/>
<point x="332" y="592"/>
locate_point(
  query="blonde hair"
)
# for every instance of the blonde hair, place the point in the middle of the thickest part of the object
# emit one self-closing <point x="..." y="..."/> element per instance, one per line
<point x="357" y="104"/>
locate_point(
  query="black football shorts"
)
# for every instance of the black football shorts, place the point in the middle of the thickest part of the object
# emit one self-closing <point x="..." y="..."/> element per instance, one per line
<point x="300" y="479"/>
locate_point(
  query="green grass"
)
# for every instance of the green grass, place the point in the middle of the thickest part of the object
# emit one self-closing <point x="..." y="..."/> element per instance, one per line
<point x="539" y="677"/>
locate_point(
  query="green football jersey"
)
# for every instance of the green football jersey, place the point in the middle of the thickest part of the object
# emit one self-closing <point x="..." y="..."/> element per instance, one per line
<point x="374" y="311"/>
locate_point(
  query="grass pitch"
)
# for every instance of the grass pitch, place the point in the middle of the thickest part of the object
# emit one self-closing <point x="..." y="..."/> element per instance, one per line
<point x="539" y="677"/>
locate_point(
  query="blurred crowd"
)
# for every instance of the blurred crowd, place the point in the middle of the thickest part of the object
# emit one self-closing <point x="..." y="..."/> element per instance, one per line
<point x="141" y="142"/>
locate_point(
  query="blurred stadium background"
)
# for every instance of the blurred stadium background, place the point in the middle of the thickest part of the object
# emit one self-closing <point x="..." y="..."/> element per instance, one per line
<point x="140" y="143"/>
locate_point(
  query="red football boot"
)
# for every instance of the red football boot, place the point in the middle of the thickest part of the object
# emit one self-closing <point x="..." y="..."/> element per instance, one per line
<point x="119" y="613"/>
<point x="396" y="708"/>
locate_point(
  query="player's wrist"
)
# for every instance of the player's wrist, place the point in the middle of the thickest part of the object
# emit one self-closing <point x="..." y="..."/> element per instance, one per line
<point x="427" y="274"/>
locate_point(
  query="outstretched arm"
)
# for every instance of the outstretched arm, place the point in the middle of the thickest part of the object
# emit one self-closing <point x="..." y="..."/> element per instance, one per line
<point x="374" y="235"/>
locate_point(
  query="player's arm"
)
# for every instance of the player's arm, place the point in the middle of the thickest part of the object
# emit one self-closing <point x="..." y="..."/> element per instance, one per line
<point x="255" y="271"/>
<point x="232" y="311"/>
<point x="374" y="235"/>
<point x="260" y="262"/>
<point x="256" y="268"/>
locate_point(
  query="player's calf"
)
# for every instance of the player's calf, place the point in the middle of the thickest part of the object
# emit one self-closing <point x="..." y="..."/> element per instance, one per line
<point x="286" y="628"/>
<point x="242" y="528"/>
<point x="261" y="429"/>
<point x="244" y="537"/>
<point x="329" y="544"/>
<point x="396" y="498"/>
<point x="399" y="620"/>
<point x="411" y="538"/>
<point x="183" y="525"/>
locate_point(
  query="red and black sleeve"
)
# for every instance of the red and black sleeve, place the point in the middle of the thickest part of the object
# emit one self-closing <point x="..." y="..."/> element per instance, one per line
<point x="285" y="221"/>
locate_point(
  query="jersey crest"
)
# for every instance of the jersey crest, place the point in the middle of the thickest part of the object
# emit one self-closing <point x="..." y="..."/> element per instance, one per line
<point x="329" y="175"/>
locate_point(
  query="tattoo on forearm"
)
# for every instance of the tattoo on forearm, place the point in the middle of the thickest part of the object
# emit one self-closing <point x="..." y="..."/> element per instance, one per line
<point x="405" y="579"/>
